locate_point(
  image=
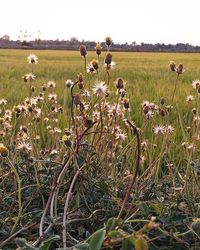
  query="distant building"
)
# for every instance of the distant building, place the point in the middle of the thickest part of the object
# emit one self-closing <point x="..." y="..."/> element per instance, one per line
<point x="5" y="37"/>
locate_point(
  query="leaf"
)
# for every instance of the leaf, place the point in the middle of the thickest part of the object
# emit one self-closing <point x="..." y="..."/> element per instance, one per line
<point x="23" y="244"/>
<point x="96" y="239"/>
<point x="46" y="243"/>
<point x="141" y="244"/>
<point x="82" y="246"/>
<point x="128" y="243"/>
<point x="144" y="208"/>
<point x="110" y="224"/>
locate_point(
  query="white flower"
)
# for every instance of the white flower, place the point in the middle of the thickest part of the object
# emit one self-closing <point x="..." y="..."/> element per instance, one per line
<point x="28" y="77"/>
<point x="3" y="101"/>
<point x="190" y="98"/>
<point x="32" y="59"/>
<point x="120" y="136"/>
<point x="52" y="97"/>
<point x="100" y="89"/>
<point x="168" y="129"/>
<point x="24" y="146"/>
<point x="91" y="69"/>
<point x="158" y="130"/>
<point x="196" y="84"/>
<point x="69" y="83"/>
<point x="51" y="84"/>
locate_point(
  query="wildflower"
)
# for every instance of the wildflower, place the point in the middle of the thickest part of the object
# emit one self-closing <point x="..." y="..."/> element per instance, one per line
<point x="51" y="84"/>
<point x="69" y="83"/>
<point x="100" y="89"/>
<point x="172" y="66"/>
<point x="90" y="69"/>
<point x="158" y="130"/>
<point x="168" y="129"/>
<point x="122" y="93"/>
<point x="3" y="101"/>
<point x="126" y="103"/>
<point x="190" y="98"/>
<point x="83" y="50"/>
<point x="95" y="64"/>
<point x="66" y="140"/>
<point x="108" y="41"/>
<point x="28" y="77"/>
<point x="120" y="83"/>
<point x="98" y="49"/>
<point x="179" y="69"/>
<point x="52" y="97"/>
<point x="149" y="115"/>
<point x="24" y="147"/>
<point x="196" y="84"/>
<point x="120" y="136"/>
<point x="3" y="150"/>
<point x="108" y="59"/>
<point x="32" y="59"/>
<point x="110" y="66"/>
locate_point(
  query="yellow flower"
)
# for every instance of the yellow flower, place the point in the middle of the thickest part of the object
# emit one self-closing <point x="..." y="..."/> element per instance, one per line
<point x="3" y="150"/>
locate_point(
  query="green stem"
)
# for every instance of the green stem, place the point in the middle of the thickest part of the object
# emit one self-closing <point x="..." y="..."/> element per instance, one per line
<point x="19" y="196"/>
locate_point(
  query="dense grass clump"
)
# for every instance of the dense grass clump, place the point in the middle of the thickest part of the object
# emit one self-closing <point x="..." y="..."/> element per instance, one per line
<point x="99" y="150"/>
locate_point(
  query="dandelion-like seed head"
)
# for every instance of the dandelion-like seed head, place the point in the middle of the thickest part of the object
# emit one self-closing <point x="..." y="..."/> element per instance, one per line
<point x="32" y="59"/>
<point x="100" y="89"/>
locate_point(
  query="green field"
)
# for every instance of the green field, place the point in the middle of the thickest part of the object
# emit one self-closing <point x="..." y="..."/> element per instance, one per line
<point x="80" y="164"/>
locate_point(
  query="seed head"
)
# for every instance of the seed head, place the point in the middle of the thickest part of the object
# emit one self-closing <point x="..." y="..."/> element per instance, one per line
<point x="179" y="69"/>
<point x="83" y="50"/>
<point x="108" y="41"/>
<point x="108" y="59"/>
<point x="98" y="49"/>
<point x="172" y="66"/>
<point x="119" y="83"/>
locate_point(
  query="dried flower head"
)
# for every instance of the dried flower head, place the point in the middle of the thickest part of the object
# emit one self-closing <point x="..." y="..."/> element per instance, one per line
<point x="98" y="48"/>
<point x="83" y="50"/>
<point x="119" y="83"/>
<point x="196" y="84"/>
<point x="172" y="66"/>
<point x="189" y="98"/>
<point x="108" y="41"/>
<point x="108" y="59"/>
<point x="179" y="69"/>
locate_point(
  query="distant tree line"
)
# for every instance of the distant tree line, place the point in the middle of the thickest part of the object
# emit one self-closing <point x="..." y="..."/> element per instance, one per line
<point x="74" y="43"/>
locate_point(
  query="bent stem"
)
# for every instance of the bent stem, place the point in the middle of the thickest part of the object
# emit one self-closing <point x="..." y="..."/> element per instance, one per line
<point x="135" y="131"/>
<point x="19" y="195"/>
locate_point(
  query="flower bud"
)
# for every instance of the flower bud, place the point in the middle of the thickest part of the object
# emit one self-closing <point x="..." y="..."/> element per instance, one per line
<point x="83" y="50"/>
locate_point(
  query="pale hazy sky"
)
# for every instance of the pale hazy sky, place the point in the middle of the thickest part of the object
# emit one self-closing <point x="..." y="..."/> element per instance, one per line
<point x="168" y="21"/>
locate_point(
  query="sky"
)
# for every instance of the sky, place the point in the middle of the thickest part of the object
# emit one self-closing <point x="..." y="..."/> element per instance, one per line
<point x="149" y="21"/>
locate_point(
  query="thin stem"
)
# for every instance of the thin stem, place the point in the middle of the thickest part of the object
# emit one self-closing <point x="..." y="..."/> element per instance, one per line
<point x="19" y="196"/>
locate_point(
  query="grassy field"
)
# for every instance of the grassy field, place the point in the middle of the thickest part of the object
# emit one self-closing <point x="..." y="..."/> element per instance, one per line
<point x="106" y="166"/>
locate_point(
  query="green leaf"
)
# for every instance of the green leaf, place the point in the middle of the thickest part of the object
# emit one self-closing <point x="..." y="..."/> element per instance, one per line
<point x="96" y="239"/>
<point x="82" y="246"/>
<point x="144" y="208"/>
<point x="110" y="224"/>
<point x="46" y="243"/>
<point x="141" y="244"/>
<point x="23" y="244"/>
<point x="128" y="243"/>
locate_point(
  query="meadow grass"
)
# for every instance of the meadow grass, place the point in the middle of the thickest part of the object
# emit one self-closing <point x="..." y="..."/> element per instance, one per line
<point x="92" y="158"/>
